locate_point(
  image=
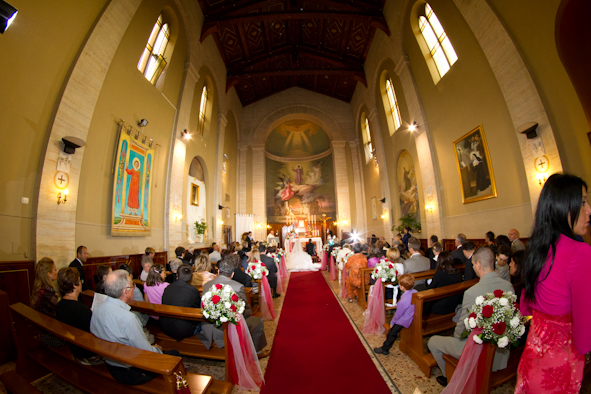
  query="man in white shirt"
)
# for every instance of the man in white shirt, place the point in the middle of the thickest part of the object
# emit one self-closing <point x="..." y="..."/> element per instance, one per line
<point x="113" y="321"/>
<point x="215" y="256"/>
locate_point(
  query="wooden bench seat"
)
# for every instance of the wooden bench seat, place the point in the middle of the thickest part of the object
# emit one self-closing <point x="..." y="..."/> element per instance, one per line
<point x="36" y="360"/>
<point x="490" y="379"/>
<point x="191" y="346"/>
<point x="411" y="339"/>
<point x="16" y="384"/>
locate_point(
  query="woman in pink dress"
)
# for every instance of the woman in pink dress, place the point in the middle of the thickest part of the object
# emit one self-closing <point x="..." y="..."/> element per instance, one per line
<point x="556" y="272"/>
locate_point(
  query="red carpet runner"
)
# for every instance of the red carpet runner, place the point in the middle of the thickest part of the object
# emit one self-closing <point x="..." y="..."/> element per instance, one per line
<point x="315" y="349"/>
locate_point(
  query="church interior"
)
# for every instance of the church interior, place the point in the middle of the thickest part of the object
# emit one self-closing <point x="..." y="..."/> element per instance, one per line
<point x="166" y="123"/>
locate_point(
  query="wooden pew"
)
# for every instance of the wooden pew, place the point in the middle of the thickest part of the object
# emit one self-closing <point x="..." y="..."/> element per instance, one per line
<point x="489" y="379"/>
<point x="16" y="384"/>
<point x="191" y="346"/>
<point x="36" y="360"/>
<point x="411" y="339"/>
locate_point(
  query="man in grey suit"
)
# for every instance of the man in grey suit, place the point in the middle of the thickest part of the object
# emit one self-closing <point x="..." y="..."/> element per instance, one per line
<point x="416" y="262"/>
<point x="271" y="266"/>
<point x="516" y="243"/>
<point x="484" y="266"/>
<point x="209" y="333"/>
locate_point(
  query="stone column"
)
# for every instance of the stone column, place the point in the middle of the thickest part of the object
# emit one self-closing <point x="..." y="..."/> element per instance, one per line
<point x="516" y="84"/>
<point x="259" y="208"/>
<point x="219" y="174"/>
<point x="242" y="169"/>
<point x="433" y="223"/>
<point x="359" y="186"/>
<point x="341" y="185"/>
<point x="176" y="166"/>
<point x="56" y="224"/>
<point x="383" y="170"/>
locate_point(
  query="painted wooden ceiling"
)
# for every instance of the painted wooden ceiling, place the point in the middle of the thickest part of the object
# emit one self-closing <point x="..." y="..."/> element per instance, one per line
<point x="271" y="45"/>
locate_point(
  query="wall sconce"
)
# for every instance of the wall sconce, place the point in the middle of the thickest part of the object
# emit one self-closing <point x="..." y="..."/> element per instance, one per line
<point x="185" y="134"/>
<point x="542" y="178"/>
<point x="221" y="222"/>
<point x="59" y="197"/>
<point x="177" y="215"/>
<point x="268" y="226"/>
<point x="143" y="123"/>
<point x="429" y="206"/>
<point x="413" y="127"/>
<point x="7" y="15"/>
<point x="220" y="206"/>
<point x="259" y="225"/>
<point x="385" y="214"/>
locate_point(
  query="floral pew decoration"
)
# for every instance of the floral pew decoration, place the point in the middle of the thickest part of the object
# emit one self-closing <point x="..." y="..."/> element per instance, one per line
<point x="495" y="318"/>
<point x="332" y="265"/>
<point x="324" y="257"/>
<point x="280" y="260"/>
<point x="220" y="305"/>
<point x="277" y="261"/>
<point x="258" y="271"/>
<point x="341" y="267"/>
<point x="375" y="317"/>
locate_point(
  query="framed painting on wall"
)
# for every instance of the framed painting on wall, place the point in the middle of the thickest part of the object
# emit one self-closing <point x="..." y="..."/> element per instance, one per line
<point x="132" y="194"/>
<point x="474" y="167"/>
<point x="227" y="213"/>
<point x="374" y="208"/>
<point x="194" y="194"/>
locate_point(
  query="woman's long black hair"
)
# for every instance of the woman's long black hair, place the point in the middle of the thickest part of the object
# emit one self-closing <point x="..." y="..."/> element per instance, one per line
<point x="557" y="212"/>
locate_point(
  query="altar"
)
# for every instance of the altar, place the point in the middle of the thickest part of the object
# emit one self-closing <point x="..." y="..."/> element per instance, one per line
<point x="288" y="244"/>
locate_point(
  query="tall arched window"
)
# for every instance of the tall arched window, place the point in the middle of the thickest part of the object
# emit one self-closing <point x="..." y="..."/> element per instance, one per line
<point x="202" y="108"/>
<point x="367" y="141"/>
<point x="152" y="61"/>
<point x="440" y="47"/>
<point x="394" y="109"/>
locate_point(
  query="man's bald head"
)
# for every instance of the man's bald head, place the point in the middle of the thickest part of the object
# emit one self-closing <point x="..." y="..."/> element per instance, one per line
<point x="117" y="283"/>
<point x="513" y="235"/>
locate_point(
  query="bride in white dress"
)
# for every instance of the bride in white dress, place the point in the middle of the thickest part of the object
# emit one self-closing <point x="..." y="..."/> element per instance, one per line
<point x="299" y="260"/>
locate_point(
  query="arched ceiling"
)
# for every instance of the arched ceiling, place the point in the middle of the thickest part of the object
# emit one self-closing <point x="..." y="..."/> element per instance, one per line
<point x="271" y="45"/>
<point x="297" y="139"/>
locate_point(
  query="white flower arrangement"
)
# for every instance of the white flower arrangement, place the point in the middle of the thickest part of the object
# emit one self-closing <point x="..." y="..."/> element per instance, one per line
<point x="256" y="270"/>
<point x="335" y="251"/>
<point x="386" y="270"/>
<point x="221" y="304"/>
<point x="326" y="247"/>
<point x="499" y="317"/>
<point x="280" y="252"/>
<point x="349" y="254"/>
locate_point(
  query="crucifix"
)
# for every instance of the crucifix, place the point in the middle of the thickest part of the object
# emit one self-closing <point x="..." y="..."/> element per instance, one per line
<point x="324" y="219"/>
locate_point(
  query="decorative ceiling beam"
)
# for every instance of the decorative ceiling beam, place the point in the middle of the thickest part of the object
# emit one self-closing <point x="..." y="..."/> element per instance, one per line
<point x="375" y="19"/>
<point x="243" y="7"/>
<point x="357" y="75"/>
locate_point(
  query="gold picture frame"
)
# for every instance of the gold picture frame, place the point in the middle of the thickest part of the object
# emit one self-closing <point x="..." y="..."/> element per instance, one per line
<point x="227" y="213"/>
<point x="475" y="170"/>
<point x="374" y="208"/>
<point x="194" y="194"/>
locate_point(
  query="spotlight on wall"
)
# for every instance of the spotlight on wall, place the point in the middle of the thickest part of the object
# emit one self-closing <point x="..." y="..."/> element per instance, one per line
<point x="413" y="127"/>
<point x="71" y="143"/>
<point x="7" y="15"/>
<point x="383" y="200"/>
<point x="529" y="129"/>
<point x="185" y="134"/>
<point x="220" y="206"/>
<point x="59" y="197"/>
<point x="143" y="123"/>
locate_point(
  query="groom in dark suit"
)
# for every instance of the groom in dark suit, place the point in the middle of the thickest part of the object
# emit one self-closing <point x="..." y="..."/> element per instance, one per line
<point x="311" y="248"/>
<point x="270" y="263"/>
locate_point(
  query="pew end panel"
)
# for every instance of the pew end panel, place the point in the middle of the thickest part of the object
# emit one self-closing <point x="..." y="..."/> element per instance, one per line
<point x="411" y="339"/>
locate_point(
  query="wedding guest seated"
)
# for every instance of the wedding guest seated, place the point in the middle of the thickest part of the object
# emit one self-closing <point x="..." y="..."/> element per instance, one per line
<point x="189" y="257"/>
<point x="502" y="240"/>
<point x="416" y="262"/>
<point x="137" y="295"/>
<point x="516" y="269"/>
<point x="148" y="256"/>
<point x="174" y="266"/>
<point x="101" y="272"/>
<point x="215" y="255"/>
<point x="353" y="267"/>
<point x="340" y="259"/>
<point x="241" y="252"/>
<point x="201" y="275"/>
<point x="155" y="285"/>
<point x="382" y="247"/>
<point x="146" y="264"/>
<point x="209" y="333"/>
<point x="311" y="248"/>
<point x="181" y="293"/>
<point x="374" y="256"/>
<point x="70" y="311"/>
<point x="44" y="298"/>
<point x="239" y="275"/>
<point x="404" y="314"/>
<point x="446" y="275"/>
<point x="429" y="253"/>
<point x="503" y="258"/>
<point x="484" y="267"/>
<point x="468" y="251"/>
<point x="271" y="266"/>
<point x="437" y="249"/>
<point x="113" y="321"/>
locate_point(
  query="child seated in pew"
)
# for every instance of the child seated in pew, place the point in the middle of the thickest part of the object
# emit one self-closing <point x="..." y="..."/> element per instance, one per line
<point x="404" y="313"/>
<point x="146" y="264"/>
<point x="155" y="285"/>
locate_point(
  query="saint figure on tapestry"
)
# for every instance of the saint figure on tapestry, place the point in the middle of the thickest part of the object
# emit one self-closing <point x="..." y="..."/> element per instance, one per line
<point x="133" y="199"/>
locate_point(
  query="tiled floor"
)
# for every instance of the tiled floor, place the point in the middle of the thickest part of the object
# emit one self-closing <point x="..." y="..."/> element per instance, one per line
<point x="398" y="370"/>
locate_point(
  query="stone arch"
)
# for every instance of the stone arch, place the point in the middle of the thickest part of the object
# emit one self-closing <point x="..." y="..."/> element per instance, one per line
<point x="305" y="112"/>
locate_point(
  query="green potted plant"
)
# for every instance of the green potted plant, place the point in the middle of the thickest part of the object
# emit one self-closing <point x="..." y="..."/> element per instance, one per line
<point x="407" y="221"/>
<point x="200" y="227"/>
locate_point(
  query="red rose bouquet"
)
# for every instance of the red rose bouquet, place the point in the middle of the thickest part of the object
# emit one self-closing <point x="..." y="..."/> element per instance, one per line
<point x="221" y="304"/>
